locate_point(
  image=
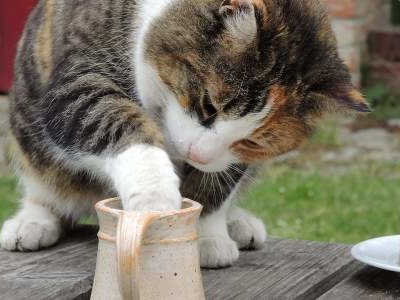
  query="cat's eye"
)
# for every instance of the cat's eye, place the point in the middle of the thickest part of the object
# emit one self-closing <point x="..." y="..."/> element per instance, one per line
<point x="208" y="113"/>
<point x="208" y="106"/>
<point x="250" y="144"/>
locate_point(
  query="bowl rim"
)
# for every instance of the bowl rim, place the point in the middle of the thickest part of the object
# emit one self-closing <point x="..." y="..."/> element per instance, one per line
<point x="360" y="255"/>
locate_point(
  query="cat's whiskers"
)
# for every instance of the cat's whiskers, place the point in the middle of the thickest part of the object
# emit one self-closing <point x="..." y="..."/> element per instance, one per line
<point x="229" y="177"/>
<point x="243" y="173"/>
<point x="199" y="187"/>
<point x="221" y="192"/>
<point x="215" y="198"/>
<point x="209" y="183"/>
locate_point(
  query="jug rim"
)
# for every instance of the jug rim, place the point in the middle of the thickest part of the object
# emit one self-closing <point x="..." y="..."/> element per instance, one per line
<point x="102" y="206"/>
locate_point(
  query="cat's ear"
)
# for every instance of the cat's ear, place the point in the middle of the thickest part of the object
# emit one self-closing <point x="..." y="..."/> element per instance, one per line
<point x="240" y="23"/>
<point x="231" y="6"/>
<point x="348" y="101"/>
<point x="353" y="100"/>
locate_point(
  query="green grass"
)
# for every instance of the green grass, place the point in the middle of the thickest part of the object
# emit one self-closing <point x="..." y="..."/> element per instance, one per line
<point x="326" y="135"/>
<point x="348" y="208"/>
<point x="384" y="101"/>
<point x="8" y="197"/>
<point x="309" y="204"/>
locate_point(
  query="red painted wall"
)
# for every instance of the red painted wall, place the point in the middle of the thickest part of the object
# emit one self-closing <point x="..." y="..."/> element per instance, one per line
<point x="13" y="14"/>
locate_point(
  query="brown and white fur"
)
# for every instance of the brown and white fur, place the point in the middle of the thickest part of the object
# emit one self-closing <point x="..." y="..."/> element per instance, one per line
<point x="153" y="100"/>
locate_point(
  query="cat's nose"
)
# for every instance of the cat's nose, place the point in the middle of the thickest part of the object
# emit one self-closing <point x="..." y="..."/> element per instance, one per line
<point x="194" y="156"/>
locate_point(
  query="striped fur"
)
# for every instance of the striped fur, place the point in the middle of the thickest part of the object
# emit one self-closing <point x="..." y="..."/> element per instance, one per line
<point x="220" y="85"/>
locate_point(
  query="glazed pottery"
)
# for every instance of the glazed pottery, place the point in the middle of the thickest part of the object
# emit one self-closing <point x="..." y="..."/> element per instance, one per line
<point x="147" y="256"/>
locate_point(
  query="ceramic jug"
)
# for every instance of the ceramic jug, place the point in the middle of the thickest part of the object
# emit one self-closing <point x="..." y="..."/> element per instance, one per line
<point x="147" y="256"/>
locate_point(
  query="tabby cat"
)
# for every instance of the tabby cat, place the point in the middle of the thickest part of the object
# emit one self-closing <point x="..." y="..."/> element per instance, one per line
<point x="153" y="100"/>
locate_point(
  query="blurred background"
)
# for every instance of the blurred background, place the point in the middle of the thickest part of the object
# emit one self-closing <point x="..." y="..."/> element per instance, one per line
<point x="343" y="185"/>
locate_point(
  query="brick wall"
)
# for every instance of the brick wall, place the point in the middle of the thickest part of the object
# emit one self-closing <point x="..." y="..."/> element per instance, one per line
<point x="351" y="21"/>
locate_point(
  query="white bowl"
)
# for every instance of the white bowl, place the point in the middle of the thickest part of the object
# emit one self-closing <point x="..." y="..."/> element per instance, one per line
<point x="382" y="252"/>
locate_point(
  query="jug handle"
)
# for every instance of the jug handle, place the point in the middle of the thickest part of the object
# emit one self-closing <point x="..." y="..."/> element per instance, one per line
<point x="130" y="231"/>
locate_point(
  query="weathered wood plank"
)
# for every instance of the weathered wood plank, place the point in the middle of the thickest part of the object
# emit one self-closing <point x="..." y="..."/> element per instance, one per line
<point x="285" y="269"/>
<point x="368" y="283"/>
<point x="62" y="272"/>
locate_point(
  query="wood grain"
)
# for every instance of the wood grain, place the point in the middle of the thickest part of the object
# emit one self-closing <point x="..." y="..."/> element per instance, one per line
<point x="284" y="269"/>
<point x="369" y="283"/>
<point x="62" y="272"/>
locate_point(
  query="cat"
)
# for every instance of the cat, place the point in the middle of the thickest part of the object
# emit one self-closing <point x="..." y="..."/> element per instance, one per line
<point x="152" y="100"/>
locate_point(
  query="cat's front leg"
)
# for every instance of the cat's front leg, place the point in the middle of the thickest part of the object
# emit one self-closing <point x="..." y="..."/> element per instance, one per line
<point x="35" y="226"/>
<point x="217" y="249"/>
<point x="110" y="136"/>
<point x="245" y="229"/>
<point x="215" y="192"/>
<point x="226" y="230"/>
<point x="145" y="179"/>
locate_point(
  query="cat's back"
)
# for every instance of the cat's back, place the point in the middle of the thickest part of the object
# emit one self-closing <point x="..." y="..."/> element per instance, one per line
<point x="58" y="29"/>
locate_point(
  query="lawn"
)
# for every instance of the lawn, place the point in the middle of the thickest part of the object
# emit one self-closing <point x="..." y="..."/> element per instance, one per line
<point x="307" y="204"/>
<point x="8" y="197"/>
<point x="344" y="208"/>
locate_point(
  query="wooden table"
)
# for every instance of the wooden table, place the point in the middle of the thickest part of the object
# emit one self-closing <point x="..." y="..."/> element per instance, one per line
<point x="284" y="269"/>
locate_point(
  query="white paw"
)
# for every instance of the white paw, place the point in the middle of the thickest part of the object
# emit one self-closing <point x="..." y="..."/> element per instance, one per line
<point x="217" y="252"/>
<point x="25" y="234"/>
<point x="163" y="198"/>
<point x="245" y="229"/>
<point x="145" y="179"/>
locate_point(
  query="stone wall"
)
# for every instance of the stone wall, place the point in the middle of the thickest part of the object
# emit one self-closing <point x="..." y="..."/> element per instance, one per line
<point x="351" y="21"/>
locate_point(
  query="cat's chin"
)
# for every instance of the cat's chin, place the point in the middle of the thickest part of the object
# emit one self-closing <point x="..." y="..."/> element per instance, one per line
<point x="209" y="168"/>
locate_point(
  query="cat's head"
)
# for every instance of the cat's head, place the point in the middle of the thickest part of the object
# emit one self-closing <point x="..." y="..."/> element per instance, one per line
<point x="241" y="81"/>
